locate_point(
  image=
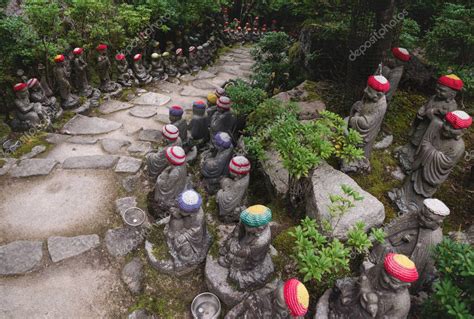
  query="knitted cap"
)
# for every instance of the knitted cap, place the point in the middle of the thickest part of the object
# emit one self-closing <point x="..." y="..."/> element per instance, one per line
<point x="155" y="55"/>
<point x="176" y="110"/>
<point x="452" y="81"/>
<point x="59" y="58"/>
<point x="402" y="54"/>
<point x="239" y="165"/>
<point x="170" y="132"/>
<point x="179" y="51"/>
<point x="224" y="103"/>
<point x="212" y="98"/>
<point x="78" y="51"/>
<point x="175" y="155"/>
<point x="459" y="119"/>
<point x="199" y="48"/>
<point x="296" y="297"/>
<point x="220" y="92"/>
<point x="256" y="216"/>
<point x="32" y="82"/>
<point x="120" y="57"/>
<point x="400" y="267"/>
<point x="166" y="54"/>
<point x="189" y="201"/>
<point x="223" y="139"/>
<point x="101" y="47"/>
<point x="199" y="104"/>
<point x="378" y="83"/>
<point x="192" y="49"/>
<point x="20" y="87"/>
<point x="137" y="57"/>
<point x="436" y="206"/>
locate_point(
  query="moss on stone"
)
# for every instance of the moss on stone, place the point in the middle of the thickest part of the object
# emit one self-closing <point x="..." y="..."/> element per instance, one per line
<point x="59" y="123"/>
<point x="4" y="129"/>
<point x="157" y="237"/>
<point x="30" y="141"/>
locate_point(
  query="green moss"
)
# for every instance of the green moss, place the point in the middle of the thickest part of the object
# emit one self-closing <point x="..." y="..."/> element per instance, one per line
<point x="67" y="115"/>
<point x="30" y="141"/>
<point x="294" y="51"/>
<point x="2" y="162"/>
<point x="157" y="237"/>
<point x="4" y="129"/>
<point x="125" y="93"/>
<point x="312" y="89"/>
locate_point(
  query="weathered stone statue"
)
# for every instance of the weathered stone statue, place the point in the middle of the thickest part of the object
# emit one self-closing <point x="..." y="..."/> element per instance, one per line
<point x="439" y="151"/>
<point x="157" y="161"/>
<point x="255" y="35"/>
<point x="201" y="57"/>
<point x="193" y="60"/>
<point x="170" y="68"/>
<point x="172" y="181"/>
<point x="246" y="252"/>
<point x="125" y="76"/>
<point x="186" y="236"/>
<point x="170" y="47"/>
<point x="176" y="118"/>
<point x="206" y="53"/>
<point x="394" y="72"/>
<point x="212" y="99"/>
<point x="68" y="100"/>
<point x="37" y="95"/>
<point x="438" y="106"/>
<point x="27" y="114"/>
<point x="415" y="235"/>
<point x="44" y="81"/>
<point x="231" y="197"/>
<point x="380" y="292"/>
<point x="366" y="118"/>
<point x="103" y="71"/>
<point x="289" y="300"/>
<point x="199" y="125"/>
<point x="157" y="67"/>
<point x="222" y="120"/>
<point x="156" y="47"/>
<point x="215" y="161"/>
<point x="182" y="62"/>
<point x="141" y="73"/>
<point x="79" y="67"/>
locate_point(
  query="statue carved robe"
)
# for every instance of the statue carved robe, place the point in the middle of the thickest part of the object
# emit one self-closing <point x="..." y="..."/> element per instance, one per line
<point x="141" y="72"/>
<point x="199" y="128"/>
<point x="393" y="75"/>
<point x="157" y="161"/>
<point x="61" y="74"/>
<point x="222" y="121"/>
<point x="214" y="165"/>
<point x="169" y="184"/>
<point x="231" y="197"/>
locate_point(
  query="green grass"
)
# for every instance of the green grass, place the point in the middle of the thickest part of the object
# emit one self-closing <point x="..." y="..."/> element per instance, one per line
<point x="67" y="115"/>
<point x="30" y="141"/>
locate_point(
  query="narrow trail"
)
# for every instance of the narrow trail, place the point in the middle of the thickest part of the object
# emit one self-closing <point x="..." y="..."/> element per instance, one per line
<point x="72" y="190"/>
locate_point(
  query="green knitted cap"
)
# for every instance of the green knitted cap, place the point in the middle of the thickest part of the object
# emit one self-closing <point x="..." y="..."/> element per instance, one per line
<point x="256" y="216"/>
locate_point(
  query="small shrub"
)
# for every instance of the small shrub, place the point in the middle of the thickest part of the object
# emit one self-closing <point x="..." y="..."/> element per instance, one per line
<point x="244" y="97"/>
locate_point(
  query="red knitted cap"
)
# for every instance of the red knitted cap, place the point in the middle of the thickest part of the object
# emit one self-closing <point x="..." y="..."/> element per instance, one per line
<point x="378" y="83"/>
<point x="452" y="81"/>
<point x="459" y="119"/>
<point x="401" y="54"/>
<point x="296" y="297"/>
<point x="400" y="267"/>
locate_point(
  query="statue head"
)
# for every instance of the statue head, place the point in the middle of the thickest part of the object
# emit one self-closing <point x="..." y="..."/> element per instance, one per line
<point x="455" y="125"/>
<point x="222" y="141"/>
<point x="220" y="92"/>
<point x="448" y="86"/>
<point x="59" y="59"/>
<point x="192" y="50"/>
<point x="239" y="166"/>
<point x="433" y="213"/>
<point x="398" y="272"/>
<point x="291" y="297"/>
<point x="189" y="202"/>
<point x="102" y="49"/>
<point x="176" y="113"/>
<point x="170" y="133"/>
<point x="120" y="58"/>
<point x="377" y="86"/>
<point x="199" y="108"/>
<point x="137" y="58"/>
<point x="223" y="104"/>
<point x="175" y="155"/>
<point x="179" y="52"/>
<point x="33" y="84"/>
<point x="21" y="90"/>
<point x="77" y="52"/>
<point x="255" y="219"/>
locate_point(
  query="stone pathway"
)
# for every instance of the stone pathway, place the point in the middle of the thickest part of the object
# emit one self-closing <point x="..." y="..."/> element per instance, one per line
<point x="63" y="241"/>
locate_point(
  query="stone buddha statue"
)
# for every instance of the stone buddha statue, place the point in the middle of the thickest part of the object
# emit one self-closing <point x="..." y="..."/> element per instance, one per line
<point x="103" y="70"/>
<point x="186" y="235"/>
<point x="215" y="161"/>
<point x="231" y="197"/>
<point x="201" y="56"/>
<point x="157" y="67"/>
<point x="168" y="63"/>
<point x="415" y="235"/>
<point x="157" y="161"/>
<point x="199" y="125"/>
<point x="156" y="47"/>
<point x="193" y="60"/>
<point x="79" y="67"/>
<point x="207" y="55"/>
<point x="289" y="300"/>
<point x="170" y="47"/>
<point x="125" y="76"/>
<point x="366" y="118"/>
<point x="182" y="62"/>
<point x="27" y="114"/>
<point x="37" y="95"/>
<point x="176" y="118"/>
<point x="61" y="74"/>
<point x="380" y="292"/>
<point x="246" y="252"/>
<point x="141" y="73"/>
<point x="394" y="72"/>
<point x="172" y="180"/>
<point x="44" y="80"/>
<point x="438" y="106"/>
<point x="441" y="148"/>
<point x="222" y="120"/>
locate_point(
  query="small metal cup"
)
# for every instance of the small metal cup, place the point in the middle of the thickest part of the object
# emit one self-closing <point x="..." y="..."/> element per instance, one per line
<point x="206" y="306"/>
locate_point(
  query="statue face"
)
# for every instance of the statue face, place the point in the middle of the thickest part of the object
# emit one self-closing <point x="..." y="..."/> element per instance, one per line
<point x="174" y="118"/>
<point x="444" y="92"/>
<point x="429" y="220"/>
<point x="254" y="230"/>
<point x="371" y="94"/>
<point x="391" y="283"/>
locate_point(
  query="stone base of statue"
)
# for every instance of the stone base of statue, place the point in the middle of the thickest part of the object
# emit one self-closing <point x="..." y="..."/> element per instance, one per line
<point x="160" y="77"/>
<point x="146" y="81"/>
<point x="111" y="88"/>
<point x="218" y="280"/>
<point x="405" y="155"/>
<point x="94" y="97"/>
<point x="212" y="185"/>
<point x="322" y="307"/>
<point x="356" y="166"/>
<point x="71" y="102"/>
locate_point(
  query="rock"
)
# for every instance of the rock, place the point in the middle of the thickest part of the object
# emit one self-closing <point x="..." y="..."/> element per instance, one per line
<point x="9" y="163"/>
<point x="121" y="241"/>
<point x="149" y="135"/>
<point x="322" y="308"/>
<point x="56" y="138"/>
<point x="142" y="112"/>
<point x="151" y="99"/>
<point x="246" y="66"/>
<point x="398" y="174"/>
<point x="61" y="248"/>
<point x="128" y="165"/>
<point x="204" y="85"/>
<point x="20" y="257"/>
<point x="132" y="275"/>
<point x="83" y="140"/>
<point x="90" y="162"/>
<point x="122" y="204"/>
<point x="276" y="174"/>
<point x="130" y="183"/>
<point x="141" y="148"/>
<point x="326" y="181"/>
<point x="112" y="145"/>
<point x="84" y="125"/>
<point x="141" y="314"/>
<point x="112" y="106"/>
<point x="33" y="167"/>
<point x="192" y="91"/>
<point x="384" y="143"/>
<point x="203" y="75"/>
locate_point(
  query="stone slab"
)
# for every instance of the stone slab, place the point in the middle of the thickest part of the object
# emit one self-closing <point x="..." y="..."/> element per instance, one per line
<point x="84" y="125"/>
<point x="192" y="91"/>
<point x="203" y="75"/>
<point x="122" y="204"/>
<point x="113" y="145"/>
<point x="133" y="275"/>
<point x="276" y="174"/>
<point x="90" y="162"/>
<point x="83" y="140"/>
<point x="128" y="164"/>
<point x="20" y="257"/>
<point x="204" y="85"/>
<point x="121" y="241"/>
<point x="61" y="248"/>
<point x="35" y="151"/>
<point x="148" y="135"/>
<point x="151" y="99"/>
<point x="112" y="106"/>
<point x="56" y="138"/>
<point x="142" y="112"/>
<point x="141" y="148"/>
<point x="33" y="167"/>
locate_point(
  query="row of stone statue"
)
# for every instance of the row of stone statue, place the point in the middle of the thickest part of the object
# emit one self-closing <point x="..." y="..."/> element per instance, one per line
<point x="435" y="144"/>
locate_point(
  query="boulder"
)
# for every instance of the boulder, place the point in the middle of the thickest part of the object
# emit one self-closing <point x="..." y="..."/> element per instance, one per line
<point x="326" y="181"/>
<point x="276" y="175"/>
<point x="133" y="274"/>
<point x="121" y="241"/>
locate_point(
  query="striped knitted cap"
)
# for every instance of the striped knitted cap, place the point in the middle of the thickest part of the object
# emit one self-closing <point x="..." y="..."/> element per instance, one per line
<point x="120" y="57"/>
<point x="199" y="104"/>
<point x="59" y="58"/>
<point x="239" y="165"/>
<point x="224" y="103"/>
<point x="189" y="201"/>
<point x="175" y="155"/>
<point x="19" y="87"/>
<point x="400" y="267"/>
<point x="78" y="51"/>
<point x="401" y="54"/>
<point x="296" y="297"/>
<point x="459" y="119"/>
<point x="223" y="139"/>
<point x="378" y="83"/>
<point x="256" y="216"/>
<point x="179" y="51"/>
<point x="170" y="132"/>
<point x="452" y="81"/>
<point x="101" y="47"/>
<point x="220" y="92"/>
<point x="155" y="55"/>
<point x="32" y="82"/>
<point x="176" y="110"/>
<point x="137" y="57"/>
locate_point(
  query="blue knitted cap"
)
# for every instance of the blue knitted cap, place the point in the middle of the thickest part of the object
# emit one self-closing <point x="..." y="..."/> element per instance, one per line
<point x="189" y="201"/>
<point x="223" y="139"/>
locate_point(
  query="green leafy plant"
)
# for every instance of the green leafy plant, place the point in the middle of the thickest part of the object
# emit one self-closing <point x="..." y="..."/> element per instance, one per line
<point x="245" y="98"/>
<point x="410" y="34"/>
<point x="340" y="205"/>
